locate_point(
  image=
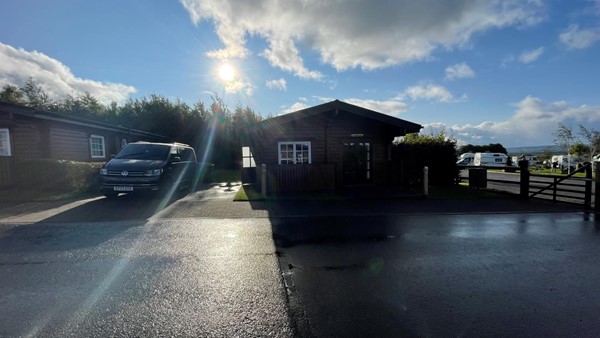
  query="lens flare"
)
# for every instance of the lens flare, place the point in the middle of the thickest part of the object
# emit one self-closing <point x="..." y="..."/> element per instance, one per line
<point x="226" y="72"/>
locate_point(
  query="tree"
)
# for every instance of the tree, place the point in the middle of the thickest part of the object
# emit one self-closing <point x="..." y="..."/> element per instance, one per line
<point x="592" y="137"/>
<point x="490" y="148"/>
<point x="35" y="95"/>
<point x="11" y="94"/>
<point x="579" y="149"/>
<point x="564" y="137"/>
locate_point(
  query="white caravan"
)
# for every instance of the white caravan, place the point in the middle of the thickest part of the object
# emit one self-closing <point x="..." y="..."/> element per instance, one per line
<point x="564" y="161"/>
<point x="490" y="159"/>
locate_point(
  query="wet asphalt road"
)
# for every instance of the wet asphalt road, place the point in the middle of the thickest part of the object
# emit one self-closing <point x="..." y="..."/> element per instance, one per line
<point x="152" y="271"/>
<point x="494" y="275"/>
<point x="185" y="277"/>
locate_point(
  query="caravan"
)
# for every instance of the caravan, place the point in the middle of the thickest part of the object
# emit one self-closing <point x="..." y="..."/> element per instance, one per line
<point x="563" y="162"/>
<point x="490" y="159"/>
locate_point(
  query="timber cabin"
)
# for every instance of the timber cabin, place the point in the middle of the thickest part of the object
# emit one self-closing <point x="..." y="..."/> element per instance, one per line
<point x="28" y="133"/>
<point x="324" y="148"/>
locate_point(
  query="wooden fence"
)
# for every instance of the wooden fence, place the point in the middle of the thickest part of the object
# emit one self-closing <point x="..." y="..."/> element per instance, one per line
<point x="6" y="169"/>
<point x="300" y="178"/>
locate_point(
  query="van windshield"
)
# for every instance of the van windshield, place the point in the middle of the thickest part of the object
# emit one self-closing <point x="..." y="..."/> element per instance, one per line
<point x="144" y="152"/>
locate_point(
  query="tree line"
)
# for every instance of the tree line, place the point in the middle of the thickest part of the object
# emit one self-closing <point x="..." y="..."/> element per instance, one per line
<point x="204" y="127"/>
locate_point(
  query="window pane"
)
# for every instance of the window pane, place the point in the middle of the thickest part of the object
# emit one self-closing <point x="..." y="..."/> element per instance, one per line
<point x="245" y="151"/>
<point x="246" y="162"/>
<point x="97" y="146"/>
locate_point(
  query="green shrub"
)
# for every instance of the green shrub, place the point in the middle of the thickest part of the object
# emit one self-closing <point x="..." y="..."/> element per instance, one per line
<point x="435" y="151"/>
<point x="56" y="175"/>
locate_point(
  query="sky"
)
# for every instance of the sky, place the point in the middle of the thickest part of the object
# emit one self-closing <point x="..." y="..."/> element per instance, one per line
<point x="486" y="71"/>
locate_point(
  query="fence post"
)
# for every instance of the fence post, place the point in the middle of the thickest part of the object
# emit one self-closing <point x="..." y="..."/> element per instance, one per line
<point x="554" y="191"/>
<point x="597" y="194"/>
<point x="587" y="201"/>
<point x="524" y="191"/>
<point x="263" y="180"/>
<point x="425" y="181"/>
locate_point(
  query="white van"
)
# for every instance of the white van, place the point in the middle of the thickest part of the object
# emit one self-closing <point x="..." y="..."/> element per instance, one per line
<point x="465" y="159"/>
<point x="490" y="159"/>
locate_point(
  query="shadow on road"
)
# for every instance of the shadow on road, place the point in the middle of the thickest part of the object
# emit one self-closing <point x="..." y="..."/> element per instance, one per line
<point x="86" y="224"/>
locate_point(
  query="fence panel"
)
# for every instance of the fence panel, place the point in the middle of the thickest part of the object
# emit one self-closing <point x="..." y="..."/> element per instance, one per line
<point x="6" y="165"/>
<point x="301" y="178"/>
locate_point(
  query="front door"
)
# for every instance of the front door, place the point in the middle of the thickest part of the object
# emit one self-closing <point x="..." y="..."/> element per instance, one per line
<point x="356" y="163"/>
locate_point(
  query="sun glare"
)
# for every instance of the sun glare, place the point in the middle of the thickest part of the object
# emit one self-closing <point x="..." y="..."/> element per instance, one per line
<point x="226" y="72"/>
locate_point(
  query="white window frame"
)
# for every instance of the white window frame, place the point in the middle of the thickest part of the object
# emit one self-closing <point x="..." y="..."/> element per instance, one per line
<point x="247" y="158"/>
<point x="103" y="143"/>
<point x="5" y="136"/>
<point x="294" y="158"/>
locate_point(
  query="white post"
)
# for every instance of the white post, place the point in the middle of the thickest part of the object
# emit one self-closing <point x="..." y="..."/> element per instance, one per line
<point x="263" y="180"/>
<point x="425" y="181"/>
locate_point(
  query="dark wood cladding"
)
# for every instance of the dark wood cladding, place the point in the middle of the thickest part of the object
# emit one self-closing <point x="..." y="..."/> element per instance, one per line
<point x="327" y="133"/>
<point x="69" y="144"/>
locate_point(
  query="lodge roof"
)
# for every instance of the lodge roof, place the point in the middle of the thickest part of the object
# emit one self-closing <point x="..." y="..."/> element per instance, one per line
<point x="72" y="120"/>
<point x="340" y="107"/>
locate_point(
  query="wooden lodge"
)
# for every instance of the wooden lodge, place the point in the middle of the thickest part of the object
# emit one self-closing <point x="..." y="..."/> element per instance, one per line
<point x="324" y="148"/>
<point x="28" y="133"/>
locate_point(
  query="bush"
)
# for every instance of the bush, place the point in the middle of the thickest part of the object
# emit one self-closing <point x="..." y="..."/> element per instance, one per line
<point x="56" y="175"/>
<point x="437" y="152"/>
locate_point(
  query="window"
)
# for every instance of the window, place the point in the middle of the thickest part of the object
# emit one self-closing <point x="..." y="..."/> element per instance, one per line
<point x="4" y="142"/>
<point x="123" y="143"/>
<point x="247" y="158"/>
<point x="97" y="146"/>
<point x="294" y="152"/>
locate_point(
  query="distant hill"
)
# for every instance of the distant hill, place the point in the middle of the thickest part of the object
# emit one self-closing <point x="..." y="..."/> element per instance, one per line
<point x="536" y="150"/>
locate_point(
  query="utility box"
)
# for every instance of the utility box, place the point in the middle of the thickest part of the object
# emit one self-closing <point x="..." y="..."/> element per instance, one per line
<point x="477" y="178"/>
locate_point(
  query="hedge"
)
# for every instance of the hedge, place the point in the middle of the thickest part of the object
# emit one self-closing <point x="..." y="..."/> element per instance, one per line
<point x="56" y="175"/>
<point x="440" y="158"/>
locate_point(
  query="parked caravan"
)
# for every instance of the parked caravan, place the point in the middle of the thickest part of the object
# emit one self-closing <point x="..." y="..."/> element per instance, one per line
<point x="563" y="162"/>
<point x="490" y="159"/>
<point x="465" y="159"/>
<point x="531" y="159"/>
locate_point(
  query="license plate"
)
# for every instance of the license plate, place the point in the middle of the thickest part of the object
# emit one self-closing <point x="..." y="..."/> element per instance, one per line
<point x="123" y="188"/>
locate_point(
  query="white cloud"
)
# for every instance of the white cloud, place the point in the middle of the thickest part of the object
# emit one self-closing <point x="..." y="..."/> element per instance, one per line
<point x="239" y="86"/>
<point x="576" y="38"/>
<point x="533" y="123"/>
<point x="277" y="84"/>
<point x="17" y="65"/>
<point x="430" y="92"/>
<point x="294" y="107"/>
<point x="363" y="34"/>
<point x="530" y="56"/>
<point x="459" y="71"/>
<point x="390" y="107"/>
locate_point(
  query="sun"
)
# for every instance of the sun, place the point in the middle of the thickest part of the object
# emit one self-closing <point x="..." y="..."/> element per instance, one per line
<point x="226" y="72"/>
